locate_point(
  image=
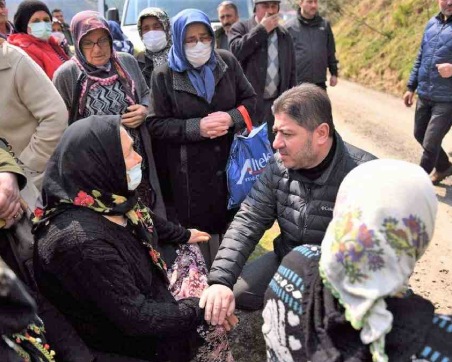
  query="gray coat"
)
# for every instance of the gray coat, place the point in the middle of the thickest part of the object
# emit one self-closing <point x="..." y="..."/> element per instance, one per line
<point x="303" y="209"/>
<point x="65" y="80"/>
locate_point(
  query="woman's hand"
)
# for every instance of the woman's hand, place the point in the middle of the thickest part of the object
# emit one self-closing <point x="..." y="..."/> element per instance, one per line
<point x="215" y="125"/>
<point x="198" y="236"/>
<point x="135" y="116"/>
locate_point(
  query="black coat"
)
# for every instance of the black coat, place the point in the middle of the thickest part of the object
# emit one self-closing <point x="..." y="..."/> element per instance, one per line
<point x="303" y="209"/>
<point x="315" y="49"/>
<point x="249" y="43"/>
<point x="191" y="168"/>
<point x="102" y="278"/>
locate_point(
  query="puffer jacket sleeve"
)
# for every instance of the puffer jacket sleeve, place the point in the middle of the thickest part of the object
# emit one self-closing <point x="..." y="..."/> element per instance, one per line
<point x="257" y="214"/>
<point x="413" y="81"/>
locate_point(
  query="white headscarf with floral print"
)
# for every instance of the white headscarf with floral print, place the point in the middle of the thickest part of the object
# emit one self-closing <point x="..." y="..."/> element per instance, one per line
<point x="382" y="223"/>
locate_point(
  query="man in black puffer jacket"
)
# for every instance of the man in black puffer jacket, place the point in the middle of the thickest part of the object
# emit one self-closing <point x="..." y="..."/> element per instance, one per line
<point x="298" y="189"/>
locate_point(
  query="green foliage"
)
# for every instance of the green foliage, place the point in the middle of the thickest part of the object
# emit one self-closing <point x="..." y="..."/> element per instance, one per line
<point x="378" y="40"/>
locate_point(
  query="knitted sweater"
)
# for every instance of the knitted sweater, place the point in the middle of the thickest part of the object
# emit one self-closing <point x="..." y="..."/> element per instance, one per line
<point x="102" y="278"/>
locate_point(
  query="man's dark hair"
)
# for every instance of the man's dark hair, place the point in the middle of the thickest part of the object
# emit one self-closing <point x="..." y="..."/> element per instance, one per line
<point x="57" y="11"/>
<point x="229" y="4"/>
<point x="308" y="105"/>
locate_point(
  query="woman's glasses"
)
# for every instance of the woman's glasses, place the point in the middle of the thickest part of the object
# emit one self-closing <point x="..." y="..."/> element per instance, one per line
<point x="101" y="43"/>
<point x="192" y="41"/>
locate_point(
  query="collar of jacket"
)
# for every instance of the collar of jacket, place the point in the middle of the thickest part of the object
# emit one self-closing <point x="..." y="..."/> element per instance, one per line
<point x="440" y="17"/>
<point x="181" y="81"/>
<point x="4" y="59"/>
<point x="323" y="180"/>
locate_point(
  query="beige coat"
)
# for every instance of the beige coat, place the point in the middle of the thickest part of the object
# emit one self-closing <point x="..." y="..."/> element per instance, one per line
<point x="33" y="115"/>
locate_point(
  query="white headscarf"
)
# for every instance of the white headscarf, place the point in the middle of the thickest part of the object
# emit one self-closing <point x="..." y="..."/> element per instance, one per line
<point x="382" y="223"/>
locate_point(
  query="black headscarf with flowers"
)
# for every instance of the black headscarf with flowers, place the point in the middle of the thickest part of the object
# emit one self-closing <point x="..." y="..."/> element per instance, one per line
<point x="88" y="169"/>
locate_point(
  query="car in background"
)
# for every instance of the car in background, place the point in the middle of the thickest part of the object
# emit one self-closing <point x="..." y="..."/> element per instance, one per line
<point x="132" y="9"/>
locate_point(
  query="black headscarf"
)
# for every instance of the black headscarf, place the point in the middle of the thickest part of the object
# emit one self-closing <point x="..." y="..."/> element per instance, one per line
<point x="88" y="169"/>
<point x="25" y="11"/>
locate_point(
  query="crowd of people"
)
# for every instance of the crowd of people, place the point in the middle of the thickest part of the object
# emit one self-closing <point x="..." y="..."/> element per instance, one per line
<point x="116" y="243"/>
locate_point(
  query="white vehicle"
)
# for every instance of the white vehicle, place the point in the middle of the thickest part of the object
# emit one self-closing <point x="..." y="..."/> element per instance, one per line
<point x="132" y="9"/>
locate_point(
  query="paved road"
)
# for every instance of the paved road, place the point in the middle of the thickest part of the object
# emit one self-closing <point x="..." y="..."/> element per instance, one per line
<point x="381" y="124"/>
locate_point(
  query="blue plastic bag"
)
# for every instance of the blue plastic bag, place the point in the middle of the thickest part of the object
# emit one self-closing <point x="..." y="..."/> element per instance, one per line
<point x="248" y="157"/>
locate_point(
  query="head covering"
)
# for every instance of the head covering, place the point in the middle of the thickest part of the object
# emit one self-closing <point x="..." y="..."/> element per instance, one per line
<point x="81" y="24"/>
<point x="160" y="57"/>
<point x="88" y="169"/>
<point x="265" y="1"/>
<point x="25" y="11"/>
<point x="201" y="78"/>
<point x="382" y="223"/>
<point x="120" y="41"/>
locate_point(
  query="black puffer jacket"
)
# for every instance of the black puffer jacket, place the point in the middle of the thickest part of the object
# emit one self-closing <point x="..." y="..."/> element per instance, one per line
<point x="303" y="209"/>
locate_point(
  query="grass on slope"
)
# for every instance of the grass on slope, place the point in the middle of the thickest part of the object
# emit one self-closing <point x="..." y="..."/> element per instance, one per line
<point x="381" y="57"/>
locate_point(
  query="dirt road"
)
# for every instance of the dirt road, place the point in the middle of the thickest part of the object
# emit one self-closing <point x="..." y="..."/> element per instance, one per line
<point x="381" y="124"/>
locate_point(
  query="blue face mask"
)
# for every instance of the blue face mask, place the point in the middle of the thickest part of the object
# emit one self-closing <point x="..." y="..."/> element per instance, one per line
<point x="134" y="177"/>
<point x="41" y="30"/>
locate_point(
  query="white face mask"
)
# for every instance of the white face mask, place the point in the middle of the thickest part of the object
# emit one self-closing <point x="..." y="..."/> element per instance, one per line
<point x="155" y="40"/>
<point x="41" y="30"/>
<point x="199" y="54"/>
<point x="58" y="35"/>
<point x="134" y="177"/>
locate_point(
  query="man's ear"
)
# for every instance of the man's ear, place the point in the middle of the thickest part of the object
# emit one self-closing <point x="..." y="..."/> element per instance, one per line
<point x="322" y="133"/>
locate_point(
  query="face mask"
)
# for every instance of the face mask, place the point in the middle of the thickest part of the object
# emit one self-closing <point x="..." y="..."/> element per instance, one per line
<point x="58" y="35"/>
<point x="155" y="40"/>
<point x="199" y="54"/>
<point x="134" y="177"/>
<point x="41" y="30"/>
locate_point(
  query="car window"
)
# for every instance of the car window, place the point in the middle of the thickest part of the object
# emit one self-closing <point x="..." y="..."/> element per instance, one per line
<point x="172" y="7"/>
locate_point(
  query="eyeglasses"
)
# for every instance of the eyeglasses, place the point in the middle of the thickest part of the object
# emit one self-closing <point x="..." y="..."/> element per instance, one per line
<point x="101" y="43"/>
<point x="191" y="42"/>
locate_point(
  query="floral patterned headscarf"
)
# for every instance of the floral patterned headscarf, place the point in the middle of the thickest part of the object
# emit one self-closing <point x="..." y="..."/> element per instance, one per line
<point x="382" y="223"/>
<point x="88" y="169"/>
<point x="160" y="57"/>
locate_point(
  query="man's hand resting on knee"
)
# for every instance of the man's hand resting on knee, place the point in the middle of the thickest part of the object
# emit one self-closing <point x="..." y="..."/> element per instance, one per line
<point x="218" y="302"/>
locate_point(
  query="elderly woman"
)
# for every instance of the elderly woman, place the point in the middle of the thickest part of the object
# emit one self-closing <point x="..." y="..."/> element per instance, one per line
<point x="155" y="31"/>
<point x="193" y="119"/>
<point x="33" y="28"/>
<point x="99" y="81"/>
<point x="95" y="252"/>
<point x="355" y="306"/>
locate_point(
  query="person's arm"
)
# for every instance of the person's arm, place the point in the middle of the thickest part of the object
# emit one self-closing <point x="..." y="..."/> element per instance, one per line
<point x="331" y="48"/>
<point x="12" y="179"/>
<point x="161" y="121"/>
<point x="257" y="214"/>
<point x="48" y="110"/>
<point x="111" y="288"/>
<point x="244" y="44"/>
<point x="63" y="80"/>
<point x="9" y="164"/>
<point x="169" y="232"/>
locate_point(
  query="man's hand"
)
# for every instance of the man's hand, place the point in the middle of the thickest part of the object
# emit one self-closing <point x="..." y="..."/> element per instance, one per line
<point x="444" y="70"/>
<point x="408" y="98"/>
<point x="135" y="116"/>
<point x="219" y="303"/>
<point x="198" y="236"/>
<point x="215" y="124"/>
<point x="333" y="81"/>
<point x="270" y="22"/>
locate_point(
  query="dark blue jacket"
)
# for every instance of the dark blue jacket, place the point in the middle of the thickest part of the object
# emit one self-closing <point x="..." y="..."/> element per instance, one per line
<point x="436" y="48"/>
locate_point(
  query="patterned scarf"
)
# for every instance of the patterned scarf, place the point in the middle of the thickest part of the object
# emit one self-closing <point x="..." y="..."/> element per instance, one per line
<point x="88" y="170"/>
<point x="160" y="57"/>
<point x="382" y="223"/>
<point x="83" y="23"/>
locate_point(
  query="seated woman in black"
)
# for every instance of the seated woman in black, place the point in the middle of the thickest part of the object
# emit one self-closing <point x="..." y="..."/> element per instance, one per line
<point x="95" y="251"/>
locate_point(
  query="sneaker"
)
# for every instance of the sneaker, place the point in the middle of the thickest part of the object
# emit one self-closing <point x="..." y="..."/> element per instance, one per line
<point x="437" y="177"/>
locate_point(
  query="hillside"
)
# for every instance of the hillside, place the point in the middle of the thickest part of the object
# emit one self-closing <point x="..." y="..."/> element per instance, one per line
<point x="377" y="40"/>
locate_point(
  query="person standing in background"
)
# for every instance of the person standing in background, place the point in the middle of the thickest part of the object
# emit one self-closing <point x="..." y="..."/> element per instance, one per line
<point x="265" y="50"/>
<point x="58" y="14"/>
<point x="315" y="49"/>
<point x="228" y="14"/>
<point x="6" y="27"/>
